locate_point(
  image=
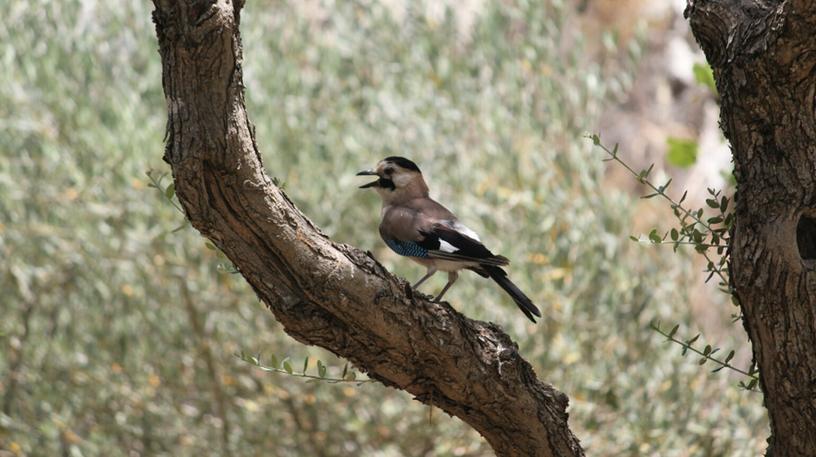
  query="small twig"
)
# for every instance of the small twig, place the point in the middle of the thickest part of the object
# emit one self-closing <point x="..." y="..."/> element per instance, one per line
<point x="661" y="191"/>
<point x="708" y="355"/>
<point x="672" y="243"/>
<point x="167" y="195"/>
<point x="253" y="360"/>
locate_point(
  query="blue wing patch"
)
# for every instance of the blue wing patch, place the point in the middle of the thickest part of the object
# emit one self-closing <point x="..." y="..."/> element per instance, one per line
<point x="407" y="248"/>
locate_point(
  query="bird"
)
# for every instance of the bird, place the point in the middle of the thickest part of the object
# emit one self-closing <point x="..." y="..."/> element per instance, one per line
<point x="416" y="226"/>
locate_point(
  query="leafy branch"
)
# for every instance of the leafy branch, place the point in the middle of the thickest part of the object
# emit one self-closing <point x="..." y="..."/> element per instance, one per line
<point x="167" y="192"/>
<point x="707" y="354"/>
<point x="285" y="367"/>
<point x="704" y="233"/>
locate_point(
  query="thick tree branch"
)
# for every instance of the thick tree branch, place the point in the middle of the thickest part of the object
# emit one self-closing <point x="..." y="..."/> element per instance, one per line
<point x="323" y="293"/>
<point x="764" y="58"/>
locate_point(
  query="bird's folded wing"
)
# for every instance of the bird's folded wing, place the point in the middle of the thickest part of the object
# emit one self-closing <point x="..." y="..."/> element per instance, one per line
<point x="445" y="242"/>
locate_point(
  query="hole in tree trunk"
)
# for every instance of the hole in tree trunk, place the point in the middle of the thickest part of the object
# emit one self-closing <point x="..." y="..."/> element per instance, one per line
<point x="806" y="237"/>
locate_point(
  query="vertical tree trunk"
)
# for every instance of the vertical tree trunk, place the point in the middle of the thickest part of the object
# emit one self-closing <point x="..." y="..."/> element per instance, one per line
<point x="763" y="53"/>
<point x="326" y="294"/>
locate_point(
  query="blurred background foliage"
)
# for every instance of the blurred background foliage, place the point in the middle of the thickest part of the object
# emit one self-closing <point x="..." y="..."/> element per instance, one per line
<point x="119" y="332"/>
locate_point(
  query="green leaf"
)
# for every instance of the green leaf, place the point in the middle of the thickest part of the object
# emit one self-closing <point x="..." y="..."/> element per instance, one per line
<point x="321" y="369"/>
<point x="729" y="356"/>
<point x="674" y="330"/>
<point x="305" y="364"/>
<point x="596" y="139"/>
<point x="681" y="152"/>
<point x="170" y="191"/>
<point x="707" y="349"/>
<point x="273" y="361"/>
<point x="654" y="236"/>
<point x="674" y="234"/>
<point x="209" y="246"/>
<point x="705" y="76"/>
<point x="345" y="370"/>
<point x="287" y="366"/>
<point x="712" y="202"/>
<point x="645" y="173"/>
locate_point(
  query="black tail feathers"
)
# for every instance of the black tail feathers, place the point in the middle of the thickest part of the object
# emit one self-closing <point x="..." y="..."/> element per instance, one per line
<point x="524" y="303"/>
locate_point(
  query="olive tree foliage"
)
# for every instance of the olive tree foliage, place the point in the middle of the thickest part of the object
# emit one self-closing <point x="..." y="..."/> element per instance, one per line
<point x="106" y="352"/>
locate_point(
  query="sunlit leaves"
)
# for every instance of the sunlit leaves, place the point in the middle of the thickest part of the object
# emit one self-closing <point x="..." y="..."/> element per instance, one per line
<point x="681" y="152"/>
<point x="285" y="367"/>
<point x="707" y="354"/>
<point x="703" y="234"/>
<point x="694" y="230"/>
<point x="705" y="76"/>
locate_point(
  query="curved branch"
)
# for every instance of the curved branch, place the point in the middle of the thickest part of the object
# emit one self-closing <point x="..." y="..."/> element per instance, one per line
<point x="328" y="294"/>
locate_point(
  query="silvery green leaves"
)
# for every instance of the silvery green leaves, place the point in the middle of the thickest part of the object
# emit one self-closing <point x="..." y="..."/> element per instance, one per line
<point x="168" y="192"/>
<point x="284" y="366"/>
<point x="708" y="234"/>
<point x="707" y="354"/>
<point x="708" y="231"/>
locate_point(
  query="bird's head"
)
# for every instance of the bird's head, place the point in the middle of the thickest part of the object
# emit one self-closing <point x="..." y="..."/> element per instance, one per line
<point x="398" y="179"/>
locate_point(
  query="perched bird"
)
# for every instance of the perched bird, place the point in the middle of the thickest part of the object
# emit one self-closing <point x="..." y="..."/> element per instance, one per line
<point x="415" y="226"/>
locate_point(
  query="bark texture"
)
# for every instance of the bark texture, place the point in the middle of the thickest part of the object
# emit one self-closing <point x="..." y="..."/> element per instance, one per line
<point x="763" y="53"/>
<point x="327" y="294"/>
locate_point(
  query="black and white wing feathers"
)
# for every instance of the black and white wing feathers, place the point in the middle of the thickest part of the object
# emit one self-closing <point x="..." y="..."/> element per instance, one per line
<point x="455" y="242"/>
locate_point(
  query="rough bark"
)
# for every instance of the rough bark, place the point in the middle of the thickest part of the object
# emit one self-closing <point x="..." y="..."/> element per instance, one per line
<point x="324" y="293"/>
<point x="763" y="53"/>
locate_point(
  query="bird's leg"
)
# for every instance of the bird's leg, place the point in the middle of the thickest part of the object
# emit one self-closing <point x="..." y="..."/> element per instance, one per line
<point x="452" y="276"/>
<point x="431" y="271"/>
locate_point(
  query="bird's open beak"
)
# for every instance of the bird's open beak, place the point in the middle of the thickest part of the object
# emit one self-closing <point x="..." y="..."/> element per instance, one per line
<point x="369" y="173"/>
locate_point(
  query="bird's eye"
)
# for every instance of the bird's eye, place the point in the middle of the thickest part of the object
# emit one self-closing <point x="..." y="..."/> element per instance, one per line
<point x="389" y="171"/>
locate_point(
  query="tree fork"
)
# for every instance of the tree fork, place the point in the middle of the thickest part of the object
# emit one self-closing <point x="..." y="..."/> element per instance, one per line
<point x="328" y="294"/>
<point x="763" y="53"/>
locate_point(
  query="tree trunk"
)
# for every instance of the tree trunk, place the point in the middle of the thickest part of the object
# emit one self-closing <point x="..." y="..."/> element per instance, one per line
<point x="763" y="53"/>
<point x="326" y="294"/>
